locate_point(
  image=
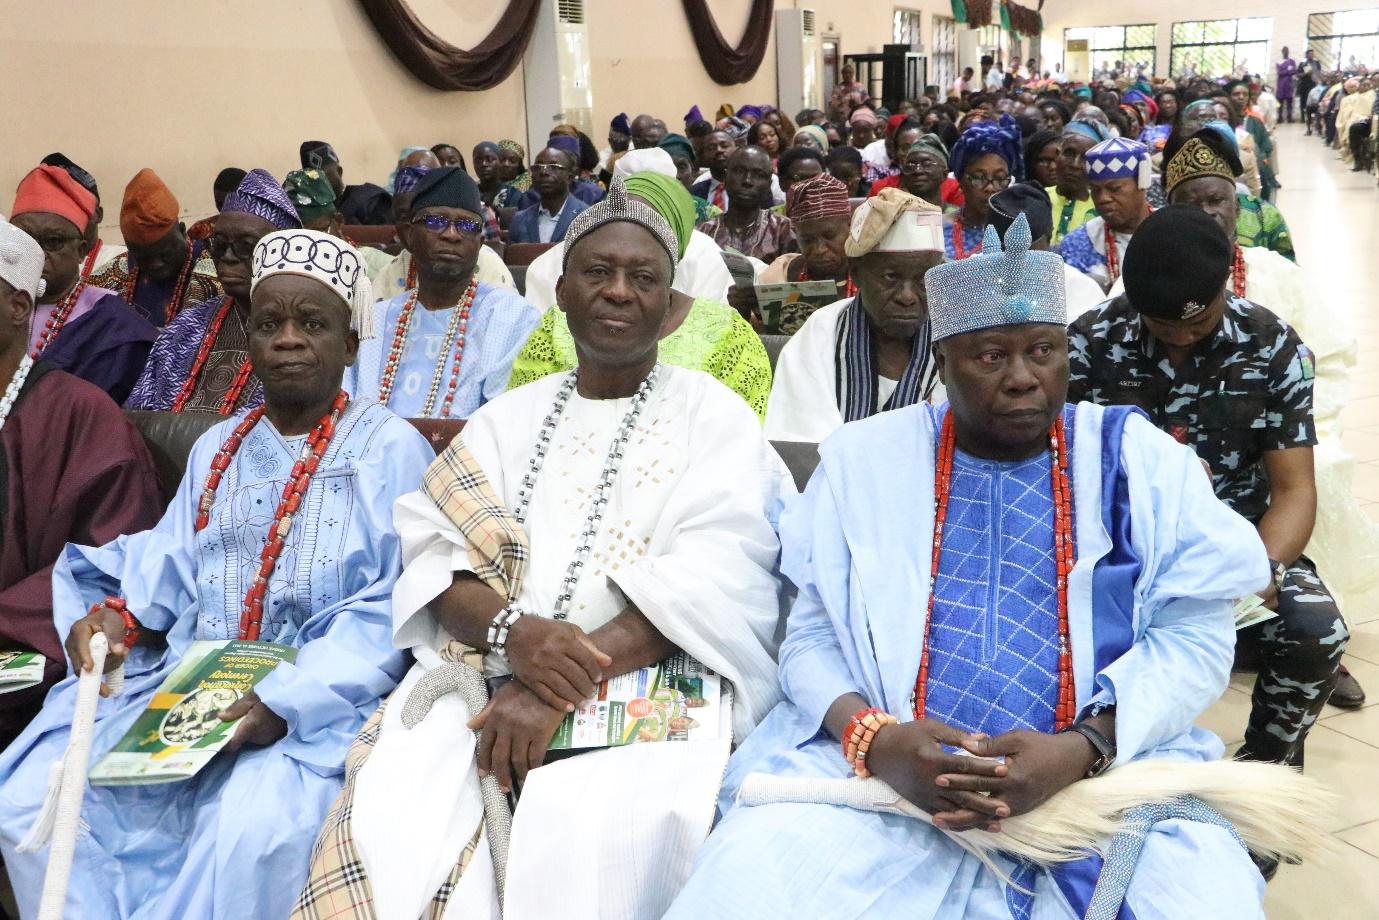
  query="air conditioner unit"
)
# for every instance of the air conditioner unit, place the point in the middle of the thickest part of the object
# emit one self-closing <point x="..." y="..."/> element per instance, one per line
<point x="558" y="73"/>
<point x="798" y="61"/>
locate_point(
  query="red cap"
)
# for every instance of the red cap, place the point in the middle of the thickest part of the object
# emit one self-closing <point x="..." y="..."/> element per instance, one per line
<point x="50" y="190"/>
<point x="894" y="122"/>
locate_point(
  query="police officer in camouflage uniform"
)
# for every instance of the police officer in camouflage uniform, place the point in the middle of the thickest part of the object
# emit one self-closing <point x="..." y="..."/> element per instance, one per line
<point x="1233" y="381"/>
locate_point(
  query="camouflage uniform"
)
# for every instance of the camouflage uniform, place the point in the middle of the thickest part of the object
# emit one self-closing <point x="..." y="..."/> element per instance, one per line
<point x="1246" y="389"/>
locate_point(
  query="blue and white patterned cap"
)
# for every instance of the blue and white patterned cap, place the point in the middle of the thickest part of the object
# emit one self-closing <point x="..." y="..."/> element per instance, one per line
<point x="1120" y="158"/>
<point x="330" y="260"/>
<point x="997" y="287"/>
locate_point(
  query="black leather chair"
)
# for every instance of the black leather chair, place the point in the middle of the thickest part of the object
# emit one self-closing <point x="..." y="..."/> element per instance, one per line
<point x="519" y="277"/>
<point x="773" y="343"/>
<point x="170" y="436"/>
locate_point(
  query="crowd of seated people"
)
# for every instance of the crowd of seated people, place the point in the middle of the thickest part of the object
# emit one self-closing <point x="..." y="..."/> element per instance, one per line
<point x="969" y="301"/>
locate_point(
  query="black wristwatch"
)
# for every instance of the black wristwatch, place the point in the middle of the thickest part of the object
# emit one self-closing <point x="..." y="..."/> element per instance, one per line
<point x="1105" y="748"/>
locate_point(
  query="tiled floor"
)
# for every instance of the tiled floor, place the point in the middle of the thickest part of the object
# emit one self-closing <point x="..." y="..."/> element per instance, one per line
<point x="1334" y="216"/>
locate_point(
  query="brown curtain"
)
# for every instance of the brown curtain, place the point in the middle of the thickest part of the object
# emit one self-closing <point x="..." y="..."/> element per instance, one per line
<point x="728" y="65"/>
<point x="438" y="63"/>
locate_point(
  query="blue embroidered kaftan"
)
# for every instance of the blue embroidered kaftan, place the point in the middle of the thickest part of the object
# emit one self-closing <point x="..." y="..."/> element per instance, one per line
<point x="233" y="841"/>
<point x="1151" y="631"/>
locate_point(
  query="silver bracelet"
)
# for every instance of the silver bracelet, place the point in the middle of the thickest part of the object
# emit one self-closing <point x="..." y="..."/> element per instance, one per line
<point x="498" y="629"/>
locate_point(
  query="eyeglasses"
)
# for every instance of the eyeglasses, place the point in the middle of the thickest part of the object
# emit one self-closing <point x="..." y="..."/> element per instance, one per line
<point x="916" y="167"/>
<point x="56" y="242"/>
<point x="548" y="168"/>
<point x="979" y="180"/>
<point x="243" y="247"/>
<point x="434" y="223"/>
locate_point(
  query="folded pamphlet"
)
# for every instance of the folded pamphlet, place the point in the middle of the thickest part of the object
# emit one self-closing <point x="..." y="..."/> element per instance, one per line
<point x="773" y="299"/>
<point x="181" y="729"/>
<point x="1250" y="610"/>
<point x="20" y="670"/>
<point x="676" y="700"/>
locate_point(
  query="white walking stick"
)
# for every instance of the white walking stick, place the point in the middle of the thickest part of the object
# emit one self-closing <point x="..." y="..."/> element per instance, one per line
<point x="60" y="817"/>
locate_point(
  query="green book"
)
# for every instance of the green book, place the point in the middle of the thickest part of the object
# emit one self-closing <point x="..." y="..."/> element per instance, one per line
<point x="181" y="730"/>
<point x="20" y="670"/>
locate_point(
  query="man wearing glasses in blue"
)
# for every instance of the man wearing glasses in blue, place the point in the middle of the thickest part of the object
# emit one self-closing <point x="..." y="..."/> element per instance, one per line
<point x="552" y="173"/>
<point x="445" y="346"/>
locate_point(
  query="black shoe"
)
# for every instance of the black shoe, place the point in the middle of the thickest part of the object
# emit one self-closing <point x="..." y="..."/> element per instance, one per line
<point x="1267" y="865"/>
<point x="1348" y="693"/>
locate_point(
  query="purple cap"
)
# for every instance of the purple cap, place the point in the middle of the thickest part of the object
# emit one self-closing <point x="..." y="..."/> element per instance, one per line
<point x="261" y="195"/>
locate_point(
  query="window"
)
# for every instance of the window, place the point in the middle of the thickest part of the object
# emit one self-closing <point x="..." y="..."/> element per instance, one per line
<point x="1344" y="41"/>
<point x="905" y="28"/>
<point x="1117" y="48"/>
<point x="1221" y="47"/>
<point x="945" y="54"/>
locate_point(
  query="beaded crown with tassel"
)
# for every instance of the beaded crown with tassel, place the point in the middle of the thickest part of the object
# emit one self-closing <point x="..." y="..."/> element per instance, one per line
<point x="997" y="287"/>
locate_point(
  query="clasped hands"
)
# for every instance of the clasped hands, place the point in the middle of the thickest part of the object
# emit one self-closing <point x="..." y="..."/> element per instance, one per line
<point x="962" y="792"/>
<point x="557" y="667"/>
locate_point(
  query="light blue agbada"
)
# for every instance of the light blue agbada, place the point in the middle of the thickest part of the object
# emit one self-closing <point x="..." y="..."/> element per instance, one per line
<point x="500" y="321"/>
<point x="234" y="841"/>
<point x="1159" y="562"/>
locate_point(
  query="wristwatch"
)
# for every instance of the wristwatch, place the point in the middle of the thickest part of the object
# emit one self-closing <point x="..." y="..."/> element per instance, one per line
<point x="1105" y="748"/>
<point x="1280" y="572"/>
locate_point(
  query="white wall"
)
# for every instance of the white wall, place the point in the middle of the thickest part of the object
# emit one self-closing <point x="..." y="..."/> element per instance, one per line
<point x="1290" y="20"/>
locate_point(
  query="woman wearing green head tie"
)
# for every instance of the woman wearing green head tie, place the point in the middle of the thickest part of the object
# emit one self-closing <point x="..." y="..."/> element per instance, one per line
<point x="701" y="333"/>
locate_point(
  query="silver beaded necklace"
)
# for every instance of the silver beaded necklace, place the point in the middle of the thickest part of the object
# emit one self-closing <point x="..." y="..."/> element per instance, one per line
<point x="16" y="384"/>
<point x="605" y="485"/>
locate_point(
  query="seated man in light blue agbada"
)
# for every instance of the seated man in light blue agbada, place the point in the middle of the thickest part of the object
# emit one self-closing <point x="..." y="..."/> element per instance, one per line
<point x="445" y="346"/>
<point x="232" y="842"/>
<point x="1045" y="677"/>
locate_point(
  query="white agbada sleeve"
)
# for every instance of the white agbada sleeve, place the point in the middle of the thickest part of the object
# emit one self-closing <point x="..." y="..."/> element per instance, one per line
<point x="803" y="405"/>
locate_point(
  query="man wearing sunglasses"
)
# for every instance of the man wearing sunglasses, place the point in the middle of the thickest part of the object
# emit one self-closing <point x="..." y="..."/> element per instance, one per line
<point x="200" y="362"/>
<point x="445" y="346"/>
<point x="87" y="331"/>
<point x="552" y="174"/>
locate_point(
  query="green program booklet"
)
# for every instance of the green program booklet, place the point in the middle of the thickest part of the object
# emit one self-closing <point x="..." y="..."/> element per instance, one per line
<point x="676" y="700"/>
<point x="181" y="730"/>
<point x="20" y="670"/>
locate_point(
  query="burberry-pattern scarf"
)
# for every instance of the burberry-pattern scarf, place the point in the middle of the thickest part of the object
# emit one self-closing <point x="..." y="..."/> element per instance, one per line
<point x="338" y="885"/>
<point x="855" y="360"/>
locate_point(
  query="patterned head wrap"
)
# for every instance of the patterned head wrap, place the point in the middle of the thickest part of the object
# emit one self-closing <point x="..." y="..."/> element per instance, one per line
<point x="819" y="196"/>
<point x="1192" y="161"/>
<point x="311" y="193"/>
<point x="670" y="199"/>
<point x="514" y="147"/>
<point x="819" y="135"/>
<point x="261" y="195"/>
<point x="895" y="221"/>
<point x="816" y="197"/>
<point x="1088" y="128"/>
<point x="21" y="260"/>
<point x="1120" y="158"/>
<point x="862" y="115"/>
<point x="996" y="287"/>
<point x="328" y="259"/>
<point x="931" y="143"/>
<point x="408" y="178"/>
<point x="983" y="137"/>
<point x="735" y="127"/>
<point x="750" y="111"/>
<point x="149" y="209"/>
<point x="617" y="206"/>
<point x="1193" y="104"/>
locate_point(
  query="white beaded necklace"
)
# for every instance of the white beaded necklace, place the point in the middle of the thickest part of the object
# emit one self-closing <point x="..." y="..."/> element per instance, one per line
<point x="16" y="384"/>
<point x="606" y="479"/>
